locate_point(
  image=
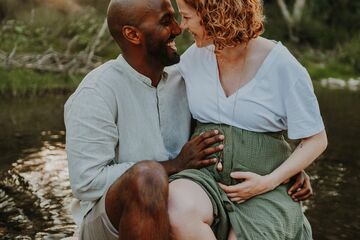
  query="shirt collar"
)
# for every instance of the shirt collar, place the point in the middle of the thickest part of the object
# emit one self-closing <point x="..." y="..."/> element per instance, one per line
<point x="129" y="69"/>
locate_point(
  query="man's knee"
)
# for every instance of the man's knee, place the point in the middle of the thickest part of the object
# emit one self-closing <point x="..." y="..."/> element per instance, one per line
<point x="143" y="188"/>
<point x="144" y="183"/>
<point x="147" y="175"/>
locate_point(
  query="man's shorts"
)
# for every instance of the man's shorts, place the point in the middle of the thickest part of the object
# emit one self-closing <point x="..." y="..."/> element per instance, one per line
<point x="96" y="224"/>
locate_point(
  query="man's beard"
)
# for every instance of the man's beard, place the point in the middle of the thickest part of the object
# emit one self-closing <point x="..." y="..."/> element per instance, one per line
<point x="159" y="51"/>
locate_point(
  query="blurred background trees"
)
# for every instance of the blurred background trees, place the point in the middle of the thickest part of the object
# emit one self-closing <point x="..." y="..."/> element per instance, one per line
<point x="323" y="34"/>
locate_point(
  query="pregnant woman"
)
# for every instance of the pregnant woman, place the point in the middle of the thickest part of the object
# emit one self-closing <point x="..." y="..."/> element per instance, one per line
<point x="252" y="90"/>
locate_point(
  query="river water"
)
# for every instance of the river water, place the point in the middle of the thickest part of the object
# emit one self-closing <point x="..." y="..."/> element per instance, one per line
<point x="35" y="191"/>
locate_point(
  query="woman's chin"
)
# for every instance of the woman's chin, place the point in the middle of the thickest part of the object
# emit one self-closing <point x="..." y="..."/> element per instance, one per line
<point x="201" y="44"/>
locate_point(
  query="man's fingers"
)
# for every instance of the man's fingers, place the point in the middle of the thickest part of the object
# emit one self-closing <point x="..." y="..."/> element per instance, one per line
<point x="303" y="194"/>
<point x="211" y="150"/>
<point x="207" y="162"/>
<point x="204" y="135"/>
<point x="299" y="192"/>
<point x="210" y="141"/>
<point x="294" y="187"/>
<point x="305" y="197"/>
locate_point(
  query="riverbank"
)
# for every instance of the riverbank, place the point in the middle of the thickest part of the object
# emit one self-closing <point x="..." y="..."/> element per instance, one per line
<point x="22" y="82"/>
<point x="40" y="54"/>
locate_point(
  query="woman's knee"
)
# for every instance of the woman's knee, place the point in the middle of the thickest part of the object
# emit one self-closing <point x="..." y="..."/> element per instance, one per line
<point x="232" y="235"/>
<point x="188" y="202"/>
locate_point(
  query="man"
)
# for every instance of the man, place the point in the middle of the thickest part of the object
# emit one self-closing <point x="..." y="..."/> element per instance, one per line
<point x="125" y="113"/>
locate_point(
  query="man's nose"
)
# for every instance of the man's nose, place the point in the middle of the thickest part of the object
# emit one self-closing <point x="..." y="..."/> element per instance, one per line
<point x="176" y="29"/>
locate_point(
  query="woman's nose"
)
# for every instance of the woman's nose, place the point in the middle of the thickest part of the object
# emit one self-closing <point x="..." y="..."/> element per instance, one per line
<point x="182" y="25"/>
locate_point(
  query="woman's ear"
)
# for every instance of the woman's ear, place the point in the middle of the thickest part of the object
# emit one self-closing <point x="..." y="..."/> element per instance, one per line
<point x="132" y="34"/>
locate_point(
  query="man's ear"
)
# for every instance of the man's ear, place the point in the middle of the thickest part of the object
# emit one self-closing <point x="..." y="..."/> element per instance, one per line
<point x="132" y="34"/>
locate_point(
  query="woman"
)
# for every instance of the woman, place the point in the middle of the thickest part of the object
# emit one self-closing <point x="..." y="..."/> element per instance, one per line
<point x="251" y="89"/>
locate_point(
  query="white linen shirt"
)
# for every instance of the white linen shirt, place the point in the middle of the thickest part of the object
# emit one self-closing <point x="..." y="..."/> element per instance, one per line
<point x="116" y="118"/>
<point x="279" y="97"/>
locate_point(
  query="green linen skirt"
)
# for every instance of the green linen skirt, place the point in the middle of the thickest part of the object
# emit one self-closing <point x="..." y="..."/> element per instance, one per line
<point x="272" y="215"/>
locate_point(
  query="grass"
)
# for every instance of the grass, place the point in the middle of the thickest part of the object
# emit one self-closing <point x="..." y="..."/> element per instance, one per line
<point x="24" y="82"/>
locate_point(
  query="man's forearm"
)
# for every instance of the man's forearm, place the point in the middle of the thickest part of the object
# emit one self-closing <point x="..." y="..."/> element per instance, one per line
<point x="170" y="166"/>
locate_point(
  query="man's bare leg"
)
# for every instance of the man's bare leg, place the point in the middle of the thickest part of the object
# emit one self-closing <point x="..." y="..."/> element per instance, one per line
<point x="190" y="211"/>
<point x="137" y="203"/>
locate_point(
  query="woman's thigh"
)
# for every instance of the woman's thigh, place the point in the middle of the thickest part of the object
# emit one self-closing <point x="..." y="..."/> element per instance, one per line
<point x="188" y="201"/>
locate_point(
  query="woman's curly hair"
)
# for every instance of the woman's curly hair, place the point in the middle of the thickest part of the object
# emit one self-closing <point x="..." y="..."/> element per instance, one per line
<point x="230" y="22"/>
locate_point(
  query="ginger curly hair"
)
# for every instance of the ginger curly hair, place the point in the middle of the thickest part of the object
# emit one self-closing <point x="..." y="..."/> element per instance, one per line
<point x="230" y="22"/>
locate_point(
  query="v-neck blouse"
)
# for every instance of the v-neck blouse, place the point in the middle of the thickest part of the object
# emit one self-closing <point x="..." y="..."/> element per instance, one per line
<point x="279" y="97"/>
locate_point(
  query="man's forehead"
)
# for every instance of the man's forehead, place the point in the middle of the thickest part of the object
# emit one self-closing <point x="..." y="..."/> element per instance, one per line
<point x="161" y="5"/>
<point x="157" y="9"/>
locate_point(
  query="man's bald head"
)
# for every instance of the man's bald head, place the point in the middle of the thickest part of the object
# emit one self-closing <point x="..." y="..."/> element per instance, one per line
<point x="126" y="12"/>
<point x="145" y="30"/>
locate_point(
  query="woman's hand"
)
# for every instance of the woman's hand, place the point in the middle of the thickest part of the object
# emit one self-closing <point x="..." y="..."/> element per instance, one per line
<point x="252" y="184"/>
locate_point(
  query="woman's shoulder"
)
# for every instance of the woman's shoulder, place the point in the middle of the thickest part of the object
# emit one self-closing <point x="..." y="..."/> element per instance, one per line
<point x="194" y="51"/>
<point x="264" y="45"/>
<point x="283" y="65"/>
<point x="287" y="61"/>
<point x="194" y="56"/>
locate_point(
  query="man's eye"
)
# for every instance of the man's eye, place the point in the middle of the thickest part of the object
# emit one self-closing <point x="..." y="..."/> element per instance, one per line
<point x="166" y="21"/>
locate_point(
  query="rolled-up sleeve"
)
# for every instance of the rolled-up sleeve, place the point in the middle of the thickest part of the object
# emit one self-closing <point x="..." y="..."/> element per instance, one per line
<point x="91" y="143"/>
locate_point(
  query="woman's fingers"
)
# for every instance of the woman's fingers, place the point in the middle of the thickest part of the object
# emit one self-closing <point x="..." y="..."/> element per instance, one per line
<point x="232" y="195"/>
<point x="236" y="199"/>
<point x="229" y="189"/>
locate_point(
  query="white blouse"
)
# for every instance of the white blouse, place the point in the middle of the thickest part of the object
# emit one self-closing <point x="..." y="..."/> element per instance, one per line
<point x="279" y="97"/>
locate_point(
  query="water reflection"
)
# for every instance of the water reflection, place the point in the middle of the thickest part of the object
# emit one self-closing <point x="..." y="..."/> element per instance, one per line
<point x="36" y="191"/>
<point x="334" y="211"/>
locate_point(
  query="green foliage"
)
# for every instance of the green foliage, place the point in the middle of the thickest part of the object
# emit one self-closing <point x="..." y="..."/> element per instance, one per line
<point x="324" y="25"/>
<point x="329" y="38"/>
<point x="50" y="29"/>
<point x="349" y="53"/>
<point x="17" y="33"/>
<point x="275" y="26"/>
<point x="323" y="64"/>
<point x="21" y="82"/>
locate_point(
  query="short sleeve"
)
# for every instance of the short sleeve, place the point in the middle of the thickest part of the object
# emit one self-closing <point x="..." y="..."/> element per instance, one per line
<point x="302" y="110"/>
